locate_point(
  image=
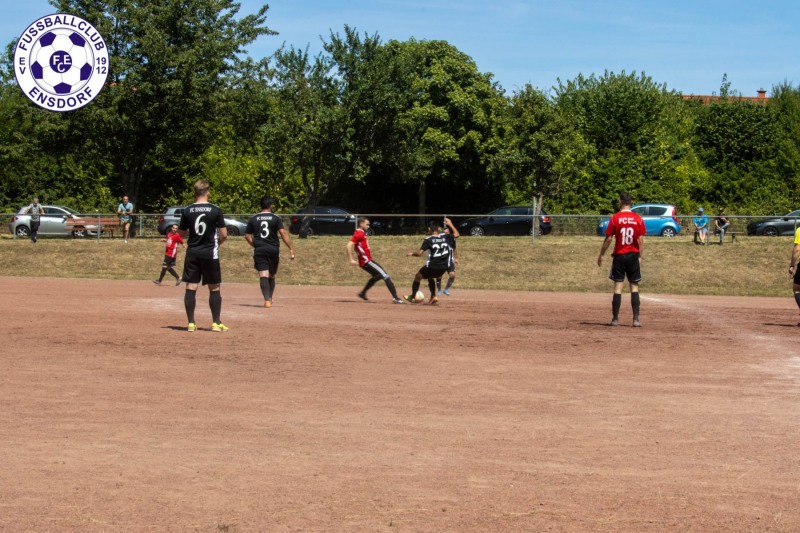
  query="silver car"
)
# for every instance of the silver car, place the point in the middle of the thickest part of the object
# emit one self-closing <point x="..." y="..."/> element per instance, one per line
<point x="172" y="215"/>
<point x="52" y="222"/>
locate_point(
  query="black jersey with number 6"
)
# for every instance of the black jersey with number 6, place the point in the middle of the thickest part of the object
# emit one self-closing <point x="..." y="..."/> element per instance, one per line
<point x="440" y="254"/>
<point x="202" y="221"/>
<point x="264" y="228"/>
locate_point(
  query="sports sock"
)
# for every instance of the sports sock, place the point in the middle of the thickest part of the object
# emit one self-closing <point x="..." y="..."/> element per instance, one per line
<point x="161" y="277"/>
<point x="414" y="288"/>
<point x="635" y="305"/>
<point x="171" y="271"/>
<point x="271" y="288"/>
<point x="616" y="303"/>
<point x="391" y="287"/>
<point x="449" y="283"/>
<point x="265" y="288"/>
<point x="438" y="284"/>
<point x="797" y="298"/>
<point x="215" y="303"/>
<point x="432" y="286"/>
<point x="190" y="302"/>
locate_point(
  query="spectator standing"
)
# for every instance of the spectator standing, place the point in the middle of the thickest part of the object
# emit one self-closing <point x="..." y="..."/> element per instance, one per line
<point x="700" y="222"/>
<point x="173" y="239"/>
<point x="262" y="234"/>
<point x="723" y="223"/>
<point x="204" y="225"/>
<point x="35" y="210"/>
<point x="125" y="212"/>
<point x="627" y="229"/>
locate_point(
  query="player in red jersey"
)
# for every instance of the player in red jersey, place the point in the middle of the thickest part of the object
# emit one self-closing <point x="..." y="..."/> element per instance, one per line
<point x="173" y="239"/>
<point x="359" y="245"/>
<point x="627" y="228"/>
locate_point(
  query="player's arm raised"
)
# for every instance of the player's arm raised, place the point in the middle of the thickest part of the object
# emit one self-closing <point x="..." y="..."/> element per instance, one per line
<point x="453" y="230"/>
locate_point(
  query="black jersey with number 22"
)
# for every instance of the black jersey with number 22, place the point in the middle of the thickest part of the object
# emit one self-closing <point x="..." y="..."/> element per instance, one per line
<point x="202" y="221"/>
<point x="440" y="252"/>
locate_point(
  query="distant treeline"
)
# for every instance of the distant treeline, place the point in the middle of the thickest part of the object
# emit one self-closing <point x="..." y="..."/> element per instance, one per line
<point x="379" y="127"/>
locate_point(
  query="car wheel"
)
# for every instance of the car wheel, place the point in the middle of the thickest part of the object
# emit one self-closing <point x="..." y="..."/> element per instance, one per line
<point x="233" y="231"/>
<point x="476" y="231"/>
<point x="769" y="231"/>
<point x="668" y="232"/>
<point x="79" y="233"/>
<point x="22" y="232"/>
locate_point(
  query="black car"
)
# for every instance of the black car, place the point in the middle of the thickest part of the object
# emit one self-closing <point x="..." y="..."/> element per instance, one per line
<point x="509" y="220"/>
<point x="772" y="227"/>
<point x="330" y="221"/>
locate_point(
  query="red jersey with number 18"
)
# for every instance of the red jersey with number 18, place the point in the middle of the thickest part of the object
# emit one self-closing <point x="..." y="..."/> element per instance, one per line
<point x="626" y="227"/>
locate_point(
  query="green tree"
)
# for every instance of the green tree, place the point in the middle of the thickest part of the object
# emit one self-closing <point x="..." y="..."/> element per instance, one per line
<point x="169" y="62"/>
<point x="541" y="153"/>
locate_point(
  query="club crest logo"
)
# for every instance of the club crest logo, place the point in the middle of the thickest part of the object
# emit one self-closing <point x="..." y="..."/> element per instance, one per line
<point x="61" y="62"/>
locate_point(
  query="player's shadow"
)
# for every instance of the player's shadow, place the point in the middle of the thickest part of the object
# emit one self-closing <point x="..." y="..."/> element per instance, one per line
<point x="598" y="324"/>
<point x="776" y="325"/>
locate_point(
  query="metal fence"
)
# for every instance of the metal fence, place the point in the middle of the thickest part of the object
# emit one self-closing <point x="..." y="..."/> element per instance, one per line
<point x="146" y="225"/>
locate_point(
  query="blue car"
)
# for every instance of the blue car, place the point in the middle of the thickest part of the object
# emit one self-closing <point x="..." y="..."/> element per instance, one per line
<point x="659" y="219"/>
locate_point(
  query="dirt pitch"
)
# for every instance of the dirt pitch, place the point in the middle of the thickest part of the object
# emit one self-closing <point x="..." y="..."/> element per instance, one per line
<point x="495" y="411"/>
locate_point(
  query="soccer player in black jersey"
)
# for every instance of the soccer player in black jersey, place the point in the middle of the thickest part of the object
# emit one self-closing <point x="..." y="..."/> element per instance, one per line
<point x="439" y="258"/>
<point x="262" y="234"/>
<point x="204" y="224"/>
<point x="452" y="234"/>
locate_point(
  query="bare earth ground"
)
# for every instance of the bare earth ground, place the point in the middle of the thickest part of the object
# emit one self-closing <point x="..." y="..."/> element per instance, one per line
<point x="495" y="411"/>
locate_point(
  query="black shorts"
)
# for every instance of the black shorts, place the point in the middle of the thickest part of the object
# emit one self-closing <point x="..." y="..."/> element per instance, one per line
<point x="797" y="275"/>
<point x="35" y="226"/>
<point x="168" y="261"/>
<point x="429" y="272"/>
<point x="375" y="270"/>
<point x="265" y="260"/>
<point x="626" y="265"/>
<point x="196" y="269"/>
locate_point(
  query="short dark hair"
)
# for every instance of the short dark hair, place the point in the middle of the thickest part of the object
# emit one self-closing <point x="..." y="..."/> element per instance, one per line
<point x="434" y="224"/>
<point x="625" y="198"/>
<point x="266" y="202"/>
<point x="361" y="220"/>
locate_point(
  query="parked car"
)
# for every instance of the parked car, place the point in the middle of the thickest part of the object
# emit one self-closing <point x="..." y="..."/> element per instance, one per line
<point x="331" y="221"/>
<point x="52" y="222"/>
<point x="172" y="215"/>
<point x="509" y="220"/>
<point x="659" y="219"/>
<point x="772" y="227"/>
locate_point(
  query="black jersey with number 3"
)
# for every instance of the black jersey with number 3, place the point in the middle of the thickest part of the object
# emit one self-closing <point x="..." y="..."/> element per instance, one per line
<point x="264" y="228"/>
<point x="201" y="221"/>
<point x="440" y="252"/>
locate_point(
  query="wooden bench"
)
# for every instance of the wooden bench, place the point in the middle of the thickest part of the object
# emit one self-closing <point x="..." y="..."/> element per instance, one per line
<point x="714" y="235"/>
<point x="101" y="224"/>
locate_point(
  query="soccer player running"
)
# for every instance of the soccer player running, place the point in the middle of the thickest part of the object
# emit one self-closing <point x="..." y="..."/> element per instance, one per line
<point x="204" y="224"/>
<point x="173" y="239"/>
<point x="627" y="228"/>
<point x="793" y="270"/>
<point x="262" y="233"/>
<point x="439" y="258"/>
<point x="452" y="234"/>
<point x="359" y="245"/>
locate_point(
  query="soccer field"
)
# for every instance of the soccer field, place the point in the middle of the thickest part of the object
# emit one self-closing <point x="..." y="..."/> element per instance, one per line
<point x="494" y="411"/>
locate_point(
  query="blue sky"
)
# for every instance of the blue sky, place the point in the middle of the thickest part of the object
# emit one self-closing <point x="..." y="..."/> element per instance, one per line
<point x="688" y="45"/>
